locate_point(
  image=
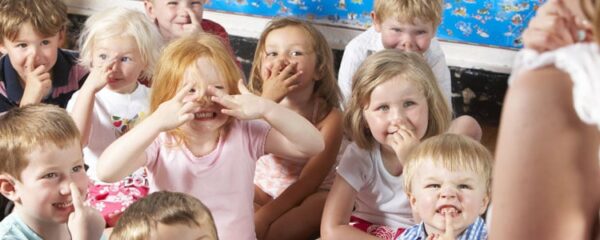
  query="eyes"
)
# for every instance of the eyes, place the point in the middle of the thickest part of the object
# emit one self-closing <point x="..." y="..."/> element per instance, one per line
<point x="290" y="53"/>
<point x="124" y="59"/>
<point x="438" y="186"/>
<point x="53" y="175"/>
<point x="386" y="107"/>
<point x="25" y="45"/>
<point x="193" y="3"/>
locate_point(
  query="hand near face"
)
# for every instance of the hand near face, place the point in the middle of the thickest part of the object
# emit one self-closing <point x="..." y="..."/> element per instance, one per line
<point x="84" y="222"/>
<point x="37" y="82"/>
<point x="245" y="106"/>
<point x="449" y="233"/>
<point x="194" y="26"/>
<point x="403" y="140"/>
<point x="281" y="80"/>
<point x="98" y="77"/>
<point x="176" y="111"/>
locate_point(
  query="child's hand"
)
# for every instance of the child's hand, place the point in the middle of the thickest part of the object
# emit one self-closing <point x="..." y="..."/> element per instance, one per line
<point x="175" y="112"/>
<point x="280" y="81"/>
<point x="84" y="222"/>
<point x="194" y="26"/>
<point x="37" y="82"/>
<point x="402" y="141"/>
<point x="554" y="26"/>
<point x="245" y="106"/>
<point x="449" y="233"/>
<point x="98" y="77"/>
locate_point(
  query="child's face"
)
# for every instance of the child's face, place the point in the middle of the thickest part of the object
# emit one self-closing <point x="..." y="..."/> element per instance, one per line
<point x="405" y="36"/>
<point x="209" y="117"/>
<point x="128" y="62"/>
<point x="30" y="44"/>
<point x="182" y="232"/>
<point x="172" y="15"/>
<point x="436" y="190"/>
<point x="394" y="103"/>
<point x="43" y="194"/>
<point x="288" y="45"/>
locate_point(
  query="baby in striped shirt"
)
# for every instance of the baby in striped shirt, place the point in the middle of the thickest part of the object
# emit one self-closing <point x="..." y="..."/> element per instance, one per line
<point x="447" y="180"/>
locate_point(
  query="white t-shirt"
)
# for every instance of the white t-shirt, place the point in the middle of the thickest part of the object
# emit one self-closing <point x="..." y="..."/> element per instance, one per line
<point x="380" y="196"/>
<point x="112" y="116"/>
<point x="369" y="42"/>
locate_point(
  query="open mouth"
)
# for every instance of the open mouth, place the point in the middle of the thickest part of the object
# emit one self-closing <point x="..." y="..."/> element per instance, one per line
<point x="63" y="205"/>
<point x="205" y="115"/>
<point x="448" y="209"/>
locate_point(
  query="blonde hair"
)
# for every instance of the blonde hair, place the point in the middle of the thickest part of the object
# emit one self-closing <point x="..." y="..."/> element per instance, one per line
<point x="121" y="22"/>
<point x="450" y="151"/>
<point x="381" y="67"/>
<point x="180" y="56"/>
<point x="140" y="219"/>
<point x="29" y="127"/>
<point x="326" y="87"/>
<point x="47" y="17"/>
<point x="409" y="10"/>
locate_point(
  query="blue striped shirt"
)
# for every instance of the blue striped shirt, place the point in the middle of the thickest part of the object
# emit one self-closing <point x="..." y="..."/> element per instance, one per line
<point x="475" y="231"/>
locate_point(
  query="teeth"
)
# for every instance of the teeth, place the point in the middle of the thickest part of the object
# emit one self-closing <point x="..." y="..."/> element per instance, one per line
<point x="63" y="204"/>
<point x="204" y="115"/>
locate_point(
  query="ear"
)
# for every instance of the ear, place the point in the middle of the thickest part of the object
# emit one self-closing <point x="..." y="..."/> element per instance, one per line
<point x="413" y="206"/>
<point x="484" y="204"/>
<point x="62" y="37"/>
<point x="149" y="8"/>
<point x="7" y="187"/>
<point x="376" y="22"/>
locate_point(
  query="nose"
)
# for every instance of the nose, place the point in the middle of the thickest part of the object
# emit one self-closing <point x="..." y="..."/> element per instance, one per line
<point x="398" y="117"/>
<point x="201" y="95"/>
<point x="448" y="192"/>
<point x="407" y="43"/>
<point x="64" y="188"/>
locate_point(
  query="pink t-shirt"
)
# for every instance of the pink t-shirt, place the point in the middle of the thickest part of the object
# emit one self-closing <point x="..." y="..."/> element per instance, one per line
<point x="222" y="180"/>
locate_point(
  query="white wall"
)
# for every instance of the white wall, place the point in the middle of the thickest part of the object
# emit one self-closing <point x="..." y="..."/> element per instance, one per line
<point x="457" y="54"/>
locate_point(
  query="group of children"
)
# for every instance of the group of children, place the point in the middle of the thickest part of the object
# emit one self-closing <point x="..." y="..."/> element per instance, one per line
<point x="155" y="106"/>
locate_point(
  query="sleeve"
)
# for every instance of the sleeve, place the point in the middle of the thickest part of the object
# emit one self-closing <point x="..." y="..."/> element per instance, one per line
<point x="71" y="102"/>
<point x="354" y="55"/>
<point x="356" y="166"/>
<point x="255" y="135"/>
<point x="153" y="151"/>
<point x="437" y="61"/>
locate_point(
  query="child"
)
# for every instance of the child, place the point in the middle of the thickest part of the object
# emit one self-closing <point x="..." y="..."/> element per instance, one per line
<point x="166" y="215"/>
<point x="408" y="25"/>
<point x="176" y="18"/>
<point x="42" y="173"/>
<point x="395" y="103"/>
<point x="119" y="46"/>
<point x="189" y="143"/>
<point x="447" y="180"/>
<point x="34" y="69"/>
<point x="547" y="154"/>
<point x="293" y="65"/>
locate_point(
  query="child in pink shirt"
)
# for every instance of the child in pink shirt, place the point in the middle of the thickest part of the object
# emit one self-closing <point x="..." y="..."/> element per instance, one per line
<point x="203" y="137"/>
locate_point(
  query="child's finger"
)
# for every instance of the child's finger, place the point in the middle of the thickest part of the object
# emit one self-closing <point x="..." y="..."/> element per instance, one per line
<point x="449" y="229"/>
<point x="29" y="63"/>
<point x="183" y="91"/>
<point x="76" y="197"/>
<point x="193" y="19"/>
<point x="242" y="87"/>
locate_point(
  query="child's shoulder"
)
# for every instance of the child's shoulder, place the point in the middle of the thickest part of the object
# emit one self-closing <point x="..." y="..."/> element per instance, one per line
<point x="12" y="227"/>
<point x="212" y="27"/>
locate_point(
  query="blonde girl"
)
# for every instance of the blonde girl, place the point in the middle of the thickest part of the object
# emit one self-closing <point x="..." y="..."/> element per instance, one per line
<point x="203" y="137"/>
<point x="395" y="104"/>
<point x="118" y="46"/>
<point x="293" y="65"/>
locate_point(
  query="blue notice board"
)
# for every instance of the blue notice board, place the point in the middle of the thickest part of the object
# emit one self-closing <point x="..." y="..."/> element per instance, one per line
<point x="486" y="22"/>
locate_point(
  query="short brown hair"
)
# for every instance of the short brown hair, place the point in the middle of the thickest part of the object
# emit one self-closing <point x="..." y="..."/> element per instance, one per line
<point x="327" y="87"/>
<point x="140" y="219"/>
<point x="409" y="10"/>
<point x="381" y="67"/>
<point x="450" y="151"/>
<point x="47" y="17"/>
<point x="31" y="126"/>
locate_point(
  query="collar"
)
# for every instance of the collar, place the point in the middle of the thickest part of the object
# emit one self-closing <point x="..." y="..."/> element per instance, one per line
<point x="60" y="76"/>
<point x="477" y="229"/>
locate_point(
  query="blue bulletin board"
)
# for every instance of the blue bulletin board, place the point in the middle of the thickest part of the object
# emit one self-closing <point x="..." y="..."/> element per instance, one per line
<point x="486" y="22"/>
